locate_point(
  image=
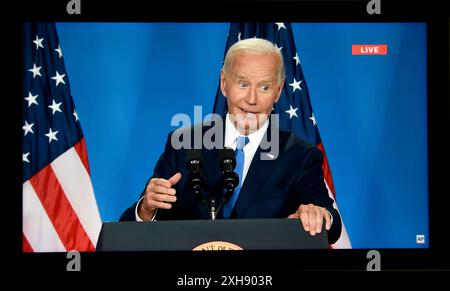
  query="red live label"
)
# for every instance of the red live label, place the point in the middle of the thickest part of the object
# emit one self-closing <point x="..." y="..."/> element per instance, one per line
<point x="369" y="49"/>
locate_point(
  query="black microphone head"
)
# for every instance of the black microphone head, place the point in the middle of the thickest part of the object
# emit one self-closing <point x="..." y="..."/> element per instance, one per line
<point x="227" y="159"/>
<point x="194" y="159"/>
<point x="194" y="164"/>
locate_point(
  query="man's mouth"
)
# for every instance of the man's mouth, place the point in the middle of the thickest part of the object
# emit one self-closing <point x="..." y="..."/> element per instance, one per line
<point x="248" y="112"/>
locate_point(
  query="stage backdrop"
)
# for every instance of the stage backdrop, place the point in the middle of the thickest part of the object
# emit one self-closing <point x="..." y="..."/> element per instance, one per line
<point x="129" y="79"/>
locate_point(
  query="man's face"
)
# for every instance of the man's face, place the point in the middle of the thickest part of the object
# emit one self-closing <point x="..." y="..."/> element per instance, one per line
<point x="251" y="88"/>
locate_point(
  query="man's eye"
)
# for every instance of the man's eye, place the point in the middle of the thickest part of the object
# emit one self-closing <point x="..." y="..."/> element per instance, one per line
<point x="242" y="85"/>
<point x="264" y="87"/>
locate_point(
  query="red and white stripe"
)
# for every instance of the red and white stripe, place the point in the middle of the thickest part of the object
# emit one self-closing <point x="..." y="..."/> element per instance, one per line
<point x="59" y="208"/>
<point x="344" y="241"/>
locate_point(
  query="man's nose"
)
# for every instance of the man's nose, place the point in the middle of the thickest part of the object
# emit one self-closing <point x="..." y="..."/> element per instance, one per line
<point x="252" y="96"/>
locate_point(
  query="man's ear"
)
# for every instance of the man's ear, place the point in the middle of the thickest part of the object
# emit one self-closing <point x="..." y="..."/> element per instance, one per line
<point x="223" y="85"/>
<point x="280" y="89"/>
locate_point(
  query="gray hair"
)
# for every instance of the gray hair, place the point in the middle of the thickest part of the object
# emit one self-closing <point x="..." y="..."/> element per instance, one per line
<point x="255" y="46"/>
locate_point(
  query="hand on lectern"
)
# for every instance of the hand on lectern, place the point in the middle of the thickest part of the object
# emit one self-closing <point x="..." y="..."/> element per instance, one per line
<point x="312" y="217"/>
<point x="159" y="194"/>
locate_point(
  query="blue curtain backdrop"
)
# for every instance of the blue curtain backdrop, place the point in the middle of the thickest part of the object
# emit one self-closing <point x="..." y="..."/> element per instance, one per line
<point x="129" y="79"/>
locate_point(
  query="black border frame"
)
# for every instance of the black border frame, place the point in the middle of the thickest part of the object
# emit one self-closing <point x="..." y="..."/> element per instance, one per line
<point x="279" y="263"/>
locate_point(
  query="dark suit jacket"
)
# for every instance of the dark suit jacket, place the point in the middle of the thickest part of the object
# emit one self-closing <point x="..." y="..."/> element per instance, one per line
<point x="272" y="188"/>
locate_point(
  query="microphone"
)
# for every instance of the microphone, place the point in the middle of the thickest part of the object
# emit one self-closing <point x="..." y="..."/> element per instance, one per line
<point x="197" y="182"/>
<point x="194" y="165"/>
<point x="230" y="179"/>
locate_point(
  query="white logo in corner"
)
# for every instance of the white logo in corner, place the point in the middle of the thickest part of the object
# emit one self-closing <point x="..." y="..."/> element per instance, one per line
<point x="420" y="239"/>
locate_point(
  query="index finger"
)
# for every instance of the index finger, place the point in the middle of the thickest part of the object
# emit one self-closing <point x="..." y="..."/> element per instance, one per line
<point x="328" y="221"/>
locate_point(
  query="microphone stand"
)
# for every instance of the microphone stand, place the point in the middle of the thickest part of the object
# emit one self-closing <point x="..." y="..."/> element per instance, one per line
<point x="209" y="196"/>
<point x="212" y="208"/>
<point x="209" y="200"/>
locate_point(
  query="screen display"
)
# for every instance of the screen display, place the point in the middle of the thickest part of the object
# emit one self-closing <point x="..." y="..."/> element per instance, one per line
<point x="367" y="86"/>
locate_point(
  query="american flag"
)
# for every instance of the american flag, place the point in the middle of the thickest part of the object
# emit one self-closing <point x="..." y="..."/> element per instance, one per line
<point x="59" y="209"/>
<point x="294" y="106"/>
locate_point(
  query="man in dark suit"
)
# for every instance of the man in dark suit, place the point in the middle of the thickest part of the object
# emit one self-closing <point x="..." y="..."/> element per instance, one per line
<point x="287" y="184"/>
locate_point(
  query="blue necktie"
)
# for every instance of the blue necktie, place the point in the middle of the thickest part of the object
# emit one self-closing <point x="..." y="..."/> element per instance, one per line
<point x="241" y="141"/>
